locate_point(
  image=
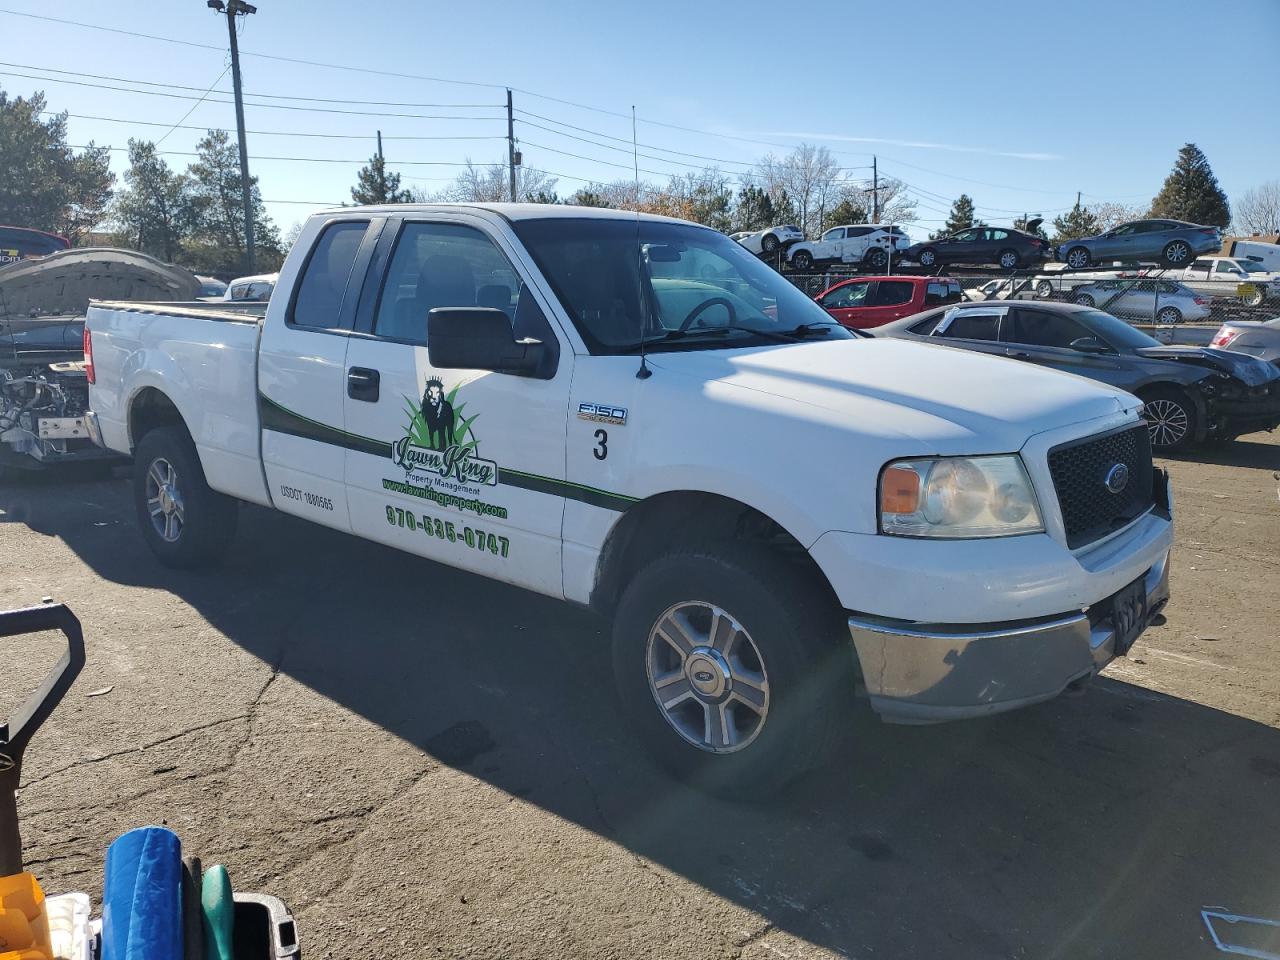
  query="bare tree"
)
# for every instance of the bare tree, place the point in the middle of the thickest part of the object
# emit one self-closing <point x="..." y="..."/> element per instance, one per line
<point x="489" y="184"/>
<point x="1258" y="209"/>
<point x="1111" y="214"/>
<point x="808" y="177"/>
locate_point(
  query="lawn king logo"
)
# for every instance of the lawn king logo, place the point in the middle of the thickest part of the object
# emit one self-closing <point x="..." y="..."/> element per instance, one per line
<point x="439" y="441"/>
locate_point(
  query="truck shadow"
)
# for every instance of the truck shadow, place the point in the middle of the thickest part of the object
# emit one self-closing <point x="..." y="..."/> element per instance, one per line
<point x="1091" y="826"/>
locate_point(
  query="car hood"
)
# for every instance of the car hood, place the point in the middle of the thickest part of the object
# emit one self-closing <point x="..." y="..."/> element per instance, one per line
<point x="952" y="401"/>
<point x="1248" y="370"/>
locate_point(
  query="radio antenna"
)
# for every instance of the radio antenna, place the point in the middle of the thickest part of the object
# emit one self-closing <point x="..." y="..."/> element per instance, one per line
<point x="644" y="373"/>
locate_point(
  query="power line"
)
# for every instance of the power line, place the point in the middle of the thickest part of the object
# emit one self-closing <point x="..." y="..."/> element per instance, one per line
<point x="394" y="163"/>
<point x="260" y="106"/>
<point x="265" y="133"/>
<point x="165" y="136"/>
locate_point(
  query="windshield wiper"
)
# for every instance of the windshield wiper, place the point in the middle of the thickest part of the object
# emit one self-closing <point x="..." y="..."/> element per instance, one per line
<point x="721" y="330"/>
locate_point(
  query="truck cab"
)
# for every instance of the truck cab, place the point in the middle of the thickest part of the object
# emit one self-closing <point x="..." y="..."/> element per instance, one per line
<point x="1233" y="276"/>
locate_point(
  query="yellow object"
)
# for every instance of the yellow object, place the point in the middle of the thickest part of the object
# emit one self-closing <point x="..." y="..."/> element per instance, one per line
<point x="24" y="928"/>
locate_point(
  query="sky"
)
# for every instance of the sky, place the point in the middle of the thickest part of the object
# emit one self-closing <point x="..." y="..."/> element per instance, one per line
<point x="1020" y="110"/>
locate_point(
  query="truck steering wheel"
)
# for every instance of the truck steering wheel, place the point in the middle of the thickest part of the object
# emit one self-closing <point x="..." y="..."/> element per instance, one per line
<point x="698" y="310"/>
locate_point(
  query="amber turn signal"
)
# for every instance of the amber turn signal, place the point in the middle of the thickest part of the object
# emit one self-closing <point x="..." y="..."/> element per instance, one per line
<point x="899" y="490"/>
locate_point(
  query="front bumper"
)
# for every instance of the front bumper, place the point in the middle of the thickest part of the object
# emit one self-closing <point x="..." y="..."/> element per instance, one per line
<point x="930" y="673"/>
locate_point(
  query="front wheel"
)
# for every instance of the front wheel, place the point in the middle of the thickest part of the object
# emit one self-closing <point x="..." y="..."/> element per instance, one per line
<point x="1171" y="419"/>
<point x="1078" y="258"/>
<point x="184" y="521"/>
<point x="1176" y="253"/>
<point x="1044" y="289"/>
<point x="729" y="665"/>
<point x="1253" y="297"/>
<point x="769" y="243"/>
<point x="1084" y="300"/>
<point x="876" y="258"/>
<point x="803" y="260"/>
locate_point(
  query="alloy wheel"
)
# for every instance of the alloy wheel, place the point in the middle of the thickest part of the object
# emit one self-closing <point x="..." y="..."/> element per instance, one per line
<point x="1167" y="422"/>
<point x="707" y="677"/>
<point x="1169" y="315"/>
<point x="928" y="258"/>
<point x="1078" y="258"/>
<point x="1178" y="252"/>
<point x="164" y="500"/>
<point x="1008" y="259"/>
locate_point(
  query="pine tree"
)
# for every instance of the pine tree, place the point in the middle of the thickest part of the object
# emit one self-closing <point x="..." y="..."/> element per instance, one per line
<point x="375" y="185"/>
<point x="1191" y="192"/>
<point x="960" y="218"/>
<point x="1075" y="223"/>
<point x="152" y="210"/>
<point x="754" y="209"/>
<point x="845" y="212"/>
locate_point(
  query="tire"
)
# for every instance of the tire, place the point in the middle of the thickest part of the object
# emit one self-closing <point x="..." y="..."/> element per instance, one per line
<point x="1171" y="419"/>
<point x="185" y="523"/>
<point x="1169" y="315"/>
<point x="928" y="257"/>
<point x="769" y="243"/>
<point x="876" y="258"/>
<point x="1044" y="289"/>
<point x="1009" y="259"/>
<point x="1078" y="258"/>
<point x="787" y="649"/>
<point x="1084" y="300"/>
<point x="1176" y="253"/>
<point x="1254" y="297"/>
<point x="802" y="260"/>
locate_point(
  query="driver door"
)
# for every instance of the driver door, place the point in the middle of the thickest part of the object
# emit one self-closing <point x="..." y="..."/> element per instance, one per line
<point x="1045" y="337"/>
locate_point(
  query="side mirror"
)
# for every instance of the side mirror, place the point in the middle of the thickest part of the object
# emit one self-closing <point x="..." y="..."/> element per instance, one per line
<point x="479" y="338"/>
<point x="1089" y="345"/>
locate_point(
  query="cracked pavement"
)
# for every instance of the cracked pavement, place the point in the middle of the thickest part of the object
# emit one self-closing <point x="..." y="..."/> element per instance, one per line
<point x="426" y="763"/>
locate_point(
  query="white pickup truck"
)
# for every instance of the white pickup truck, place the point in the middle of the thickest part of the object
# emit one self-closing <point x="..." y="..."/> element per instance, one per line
<point x="634" y="413"/>
<point x="1232" y="277"/>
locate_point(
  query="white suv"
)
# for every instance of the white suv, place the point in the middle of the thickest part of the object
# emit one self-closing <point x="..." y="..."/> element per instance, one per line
<point x="864" y="243"/>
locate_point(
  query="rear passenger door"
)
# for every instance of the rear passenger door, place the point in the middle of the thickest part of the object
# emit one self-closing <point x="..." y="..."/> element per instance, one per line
<point x="302" y="374"/>
<point x="888" y="300"/>
<point x="463" y="466"/>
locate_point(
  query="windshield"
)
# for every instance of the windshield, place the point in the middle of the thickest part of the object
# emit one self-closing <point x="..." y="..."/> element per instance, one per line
<point x="691" y="287"/>
<point x="1115" y="331"/>
<point x="1248" y="266"/>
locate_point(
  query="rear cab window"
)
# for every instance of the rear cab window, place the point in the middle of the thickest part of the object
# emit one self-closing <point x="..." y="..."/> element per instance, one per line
<point x="318" y="304"/>
<point x="939" y="292"/>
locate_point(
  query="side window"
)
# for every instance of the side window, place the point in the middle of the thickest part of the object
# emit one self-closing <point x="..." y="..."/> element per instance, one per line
<point x="850" y="295"/>
<point x="1043" y="329"/>
<point x="937" y="293"/>
<point x="997" y="234"/>
<point x="928" y="324"/>
<point x="853" y="232"/>
<point x="836" y="233"/>
<point x="971" y="325"/>
<point x="1125" y="231"/>
<point x="442" y="265"/>
<point x="1167" y="286"/>
<point x="891" y="293"/>
<point x="1203" y="265"/>
<point x="324" y="281"/>
<point x="1225" y="266"/>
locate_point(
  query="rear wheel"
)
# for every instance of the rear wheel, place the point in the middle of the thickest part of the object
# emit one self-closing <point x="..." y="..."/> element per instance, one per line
<point x="1009" y="259"/>
<point x="1169" y="315"/>
<point x="1176" y="253"/>
<point x="769" y="243"/>
<point x="1171" y="419"/>
<point x="1084" y="300"/>
<point x="183" y="520"/>
<point x="876" y="258"/>
<point x="729" y="665"/>
<point x="803" y="260"/>
<point x="1078" y="258"/>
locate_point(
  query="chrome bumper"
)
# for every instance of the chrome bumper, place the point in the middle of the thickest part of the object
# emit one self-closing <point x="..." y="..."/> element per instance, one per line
<point x="930" y="673"/>
<point x="93" y="429"/>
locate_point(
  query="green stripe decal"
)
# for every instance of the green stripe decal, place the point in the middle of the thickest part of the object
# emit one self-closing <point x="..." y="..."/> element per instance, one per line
<point x="280" y="419"/>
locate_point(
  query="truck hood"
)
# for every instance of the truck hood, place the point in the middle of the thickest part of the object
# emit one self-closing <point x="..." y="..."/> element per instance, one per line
<point x="1248" y="370"/>
<point x="65" y="282"/>
<point x="950" y="400"/>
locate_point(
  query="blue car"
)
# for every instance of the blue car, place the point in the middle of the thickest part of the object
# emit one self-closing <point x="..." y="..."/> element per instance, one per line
<point x="1173" y="243"/>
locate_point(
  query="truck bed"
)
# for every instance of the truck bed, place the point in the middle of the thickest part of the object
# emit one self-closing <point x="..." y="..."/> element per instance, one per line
<point x="230" y="311"/>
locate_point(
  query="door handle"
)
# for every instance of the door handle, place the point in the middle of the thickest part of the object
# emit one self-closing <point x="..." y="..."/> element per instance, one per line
<point x="1019" y="355"/>
<point x="362" y="384"/>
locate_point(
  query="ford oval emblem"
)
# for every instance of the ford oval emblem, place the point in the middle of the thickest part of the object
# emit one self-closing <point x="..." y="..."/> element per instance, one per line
<point x="704" y="676"/>
<point x="1117" y="478"/>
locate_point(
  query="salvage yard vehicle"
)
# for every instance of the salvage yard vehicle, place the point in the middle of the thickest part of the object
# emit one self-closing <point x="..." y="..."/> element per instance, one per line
<point x="1174" y="243"/>
<point x="1258" y="338"/>
<point x="865" y="302"/>
<point x="1005" y="246"/>
<point x="864" y="243"/>
<point x="256" y="289"/>
<point x="1251" y="282"/>
<point x="44" y="392"/>
<point x="23" y="243"/>
<point x="1191" y="393"/>
<point x="1159" y="301"/>
<point x="770" y="239"/>
<point x="633" y="413"/>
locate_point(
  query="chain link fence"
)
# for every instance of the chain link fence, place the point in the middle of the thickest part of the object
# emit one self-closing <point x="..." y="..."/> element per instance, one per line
<point x="1157" y="301"/>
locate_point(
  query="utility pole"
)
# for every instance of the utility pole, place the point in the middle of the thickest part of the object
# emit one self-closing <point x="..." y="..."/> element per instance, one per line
<point x="233" y="9"/>
<point x="875" y="191"/>
<point x="1077" y="199"/>
<point x="511" y="146"/>
<point x="382" y="172"/>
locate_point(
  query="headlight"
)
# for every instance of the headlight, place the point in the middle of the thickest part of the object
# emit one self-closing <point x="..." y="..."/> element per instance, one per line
<point x="958" y="497"/>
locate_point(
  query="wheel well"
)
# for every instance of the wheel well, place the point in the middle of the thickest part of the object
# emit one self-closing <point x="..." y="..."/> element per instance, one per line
<point x="151" y="409"/>
<point x="654" y="526"/>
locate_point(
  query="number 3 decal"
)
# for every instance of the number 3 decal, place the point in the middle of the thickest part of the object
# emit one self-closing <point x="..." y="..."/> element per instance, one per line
<point x="602" y="445"/>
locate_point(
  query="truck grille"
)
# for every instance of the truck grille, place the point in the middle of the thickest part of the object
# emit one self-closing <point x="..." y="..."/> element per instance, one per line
<point x="1090" y="509"/>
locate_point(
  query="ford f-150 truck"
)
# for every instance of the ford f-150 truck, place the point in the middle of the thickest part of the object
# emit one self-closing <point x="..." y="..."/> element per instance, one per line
<point x="634" y="413"/>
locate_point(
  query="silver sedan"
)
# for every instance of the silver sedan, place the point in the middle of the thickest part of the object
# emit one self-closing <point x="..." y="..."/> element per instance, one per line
<point x="1174" y="243"/>
<point x="1162" y="301"/>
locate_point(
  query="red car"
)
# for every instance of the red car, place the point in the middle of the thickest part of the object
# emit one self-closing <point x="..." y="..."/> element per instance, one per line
<point x="865" y="302"/>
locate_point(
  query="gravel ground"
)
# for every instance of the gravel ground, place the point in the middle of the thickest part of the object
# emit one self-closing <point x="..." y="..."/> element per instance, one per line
<point x="424" y="763"/>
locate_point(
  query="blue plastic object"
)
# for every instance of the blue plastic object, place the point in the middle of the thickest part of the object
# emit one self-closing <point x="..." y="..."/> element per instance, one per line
<point x="142" y="897"/>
